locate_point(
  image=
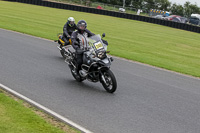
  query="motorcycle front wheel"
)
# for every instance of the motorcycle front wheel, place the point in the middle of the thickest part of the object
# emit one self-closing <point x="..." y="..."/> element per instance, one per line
<point x="110" y="83"/>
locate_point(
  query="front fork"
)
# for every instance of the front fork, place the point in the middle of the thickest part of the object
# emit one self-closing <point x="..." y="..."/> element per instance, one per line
<point x="101" y="74"/>
<point x="103" y="78"/>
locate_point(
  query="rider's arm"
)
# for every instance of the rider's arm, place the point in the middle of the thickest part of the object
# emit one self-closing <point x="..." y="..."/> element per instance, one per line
<point x="65" y="30"/>
<point x="89" y="33"/>
<point x="74" y="41"/>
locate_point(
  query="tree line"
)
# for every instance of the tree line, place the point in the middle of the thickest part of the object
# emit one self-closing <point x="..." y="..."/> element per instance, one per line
<point x="183" y="10"/>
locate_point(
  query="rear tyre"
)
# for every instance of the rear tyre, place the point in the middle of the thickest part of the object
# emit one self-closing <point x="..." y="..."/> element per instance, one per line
<point x="110" y="84"/>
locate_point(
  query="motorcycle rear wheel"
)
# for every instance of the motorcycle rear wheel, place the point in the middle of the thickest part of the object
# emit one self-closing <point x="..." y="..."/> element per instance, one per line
<point x="111" y="84"/>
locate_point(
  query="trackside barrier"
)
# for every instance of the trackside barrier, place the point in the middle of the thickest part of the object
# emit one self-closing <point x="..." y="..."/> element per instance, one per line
<point x="182" y="26"/>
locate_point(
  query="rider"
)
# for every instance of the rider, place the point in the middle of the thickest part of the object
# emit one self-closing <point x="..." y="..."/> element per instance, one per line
<point x="68" y="28"/>
<point x="79" y="41"/>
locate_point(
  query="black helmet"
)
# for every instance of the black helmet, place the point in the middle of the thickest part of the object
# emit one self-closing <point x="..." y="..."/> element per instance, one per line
<point x="81" y="25"/>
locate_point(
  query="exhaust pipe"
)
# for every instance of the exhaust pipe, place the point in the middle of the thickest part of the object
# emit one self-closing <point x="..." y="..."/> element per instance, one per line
<point x="59" y="48"/>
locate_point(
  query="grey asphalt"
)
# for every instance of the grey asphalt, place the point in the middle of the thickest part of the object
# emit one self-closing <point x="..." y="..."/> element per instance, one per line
<point x="147" y="100"/>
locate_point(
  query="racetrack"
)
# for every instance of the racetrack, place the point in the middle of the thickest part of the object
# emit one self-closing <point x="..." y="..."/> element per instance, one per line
<point x="147" y="100"/>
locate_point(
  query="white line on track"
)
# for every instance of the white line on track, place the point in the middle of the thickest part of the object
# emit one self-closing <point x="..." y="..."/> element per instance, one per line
<point x="50" y="112"/>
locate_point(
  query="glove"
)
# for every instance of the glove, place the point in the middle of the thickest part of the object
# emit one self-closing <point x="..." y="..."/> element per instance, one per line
<point x="105" y="42"/>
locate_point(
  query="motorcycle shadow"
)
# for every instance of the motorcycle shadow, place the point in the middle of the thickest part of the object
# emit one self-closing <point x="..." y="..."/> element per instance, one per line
<point x="84" y="86"/>
<point x="60" y="58"/>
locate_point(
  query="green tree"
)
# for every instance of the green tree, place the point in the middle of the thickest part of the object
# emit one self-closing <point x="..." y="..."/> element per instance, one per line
<point x="158" y="4"/>
<point x="190" y="8"/>
<point x="177" y="9"/>
<point x="150" y="4"/>
<point x="165" y="5"/>
<point x="185" y="10"/>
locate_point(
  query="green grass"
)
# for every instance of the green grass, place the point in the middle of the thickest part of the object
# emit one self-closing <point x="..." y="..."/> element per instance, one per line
<point x="16" y="118"/>
<point x="157" y="45"/>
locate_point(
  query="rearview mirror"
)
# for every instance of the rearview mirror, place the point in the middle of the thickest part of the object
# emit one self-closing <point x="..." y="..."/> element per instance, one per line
<point x="103" y="35"/>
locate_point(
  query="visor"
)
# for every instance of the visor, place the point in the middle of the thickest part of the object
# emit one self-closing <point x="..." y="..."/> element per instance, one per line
<point x="82" y="26"/>
<point x="71" y="22"/>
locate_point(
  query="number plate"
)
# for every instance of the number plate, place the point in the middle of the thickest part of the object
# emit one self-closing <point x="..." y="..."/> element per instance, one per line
<point x="98" y="45"/>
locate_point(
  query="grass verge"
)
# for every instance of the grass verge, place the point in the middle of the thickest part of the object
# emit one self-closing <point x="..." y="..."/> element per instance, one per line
<point x="17" y="116"/>
<point x="157" y="45"/>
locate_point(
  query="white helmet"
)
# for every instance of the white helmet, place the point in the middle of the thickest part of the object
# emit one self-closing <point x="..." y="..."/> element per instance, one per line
<point x="71" y="21"/>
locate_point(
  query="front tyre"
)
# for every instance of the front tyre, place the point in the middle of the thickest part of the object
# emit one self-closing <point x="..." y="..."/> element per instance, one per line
<point x="109" y="82"/>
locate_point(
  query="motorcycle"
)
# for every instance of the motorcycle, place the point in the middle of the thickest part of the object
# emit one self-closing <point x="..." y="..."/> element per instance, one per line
<point x="96" y="63"/>
<point x="61" y="43"/>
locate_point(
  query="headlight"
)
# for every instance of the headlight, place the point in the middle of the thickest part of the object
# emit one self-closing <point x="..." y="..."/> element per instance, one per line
<point x="101" y="55"/>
